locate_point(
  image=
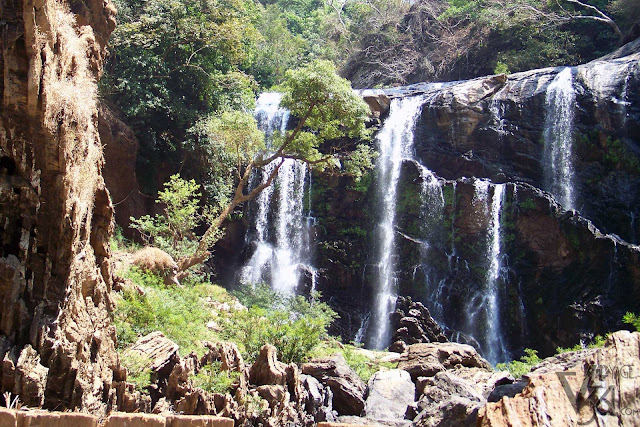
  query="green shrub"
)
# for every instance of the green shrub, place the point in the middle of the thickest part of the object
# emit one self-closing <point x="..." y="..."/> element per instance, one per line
<point x="364" y="366"/>
<point x="527" y="204"/>
<point x="259" y="295"/>
<point x="577" y="347"/>
<point x="138" y="372"/>
<point x="173" y="230"/>
<point x="632" y="319"/>
<point x="293" y="325"/>
<point x="214" y="380"/>
<point x="518" y="368"/>
<point x="598" y="341"/>
<point x="501" y="68"/>
<point x="120" y="243"/>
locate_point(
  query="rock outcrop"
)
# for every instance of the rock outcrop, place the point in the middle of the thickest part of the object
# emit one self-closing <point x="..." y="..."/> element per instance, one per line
<point x="598" y="386"/>
<point x="120" y="151"/>
<point x="426" y="360"/>
<point x="347" y="387"/>
<point x="566" y="275"/>
<point x="412" y="323"/>
<point x="55" y="277"/>
<point x="493" y="127"/>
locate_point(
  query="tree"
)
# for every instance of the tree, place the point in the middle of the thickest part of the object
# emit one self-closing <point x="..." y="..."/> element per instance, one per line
<point x="173" y="62"/>
<point x="326" y="109"/>
<point x="173" y="231"/>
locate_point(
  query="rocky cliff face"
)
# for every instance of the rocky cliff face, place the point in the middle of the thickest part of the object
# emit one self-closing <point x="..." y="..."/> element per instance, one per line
<point x="495" y="128"/>
<point x="56" y="336"/>
<point x="564" y="275"/>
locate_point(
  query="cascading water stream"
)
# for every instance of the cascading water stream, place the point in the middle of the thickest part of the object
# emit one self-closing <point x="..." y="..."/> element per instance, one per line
<point x="395" y="142"/>
<point x="558" y="138"/>
<point x="282" y="250"/>
<point x="484" y="308"/>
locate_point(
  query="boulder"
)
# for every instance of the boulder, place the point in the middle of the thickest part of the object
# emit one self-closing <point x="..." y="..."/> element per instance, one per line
<point x="196" y="402"/>
<point x="274" y="394"/>
<point x="506" y="390"/>
<point x="378" y="102"/>
<point x="455" y="411"/>
<point x="226" y="353"/>
<point x="31" y="378"/>
<point x="158" y="349"/>
<point x="447" y="399"/>
<point x="483" y="381"/>
<point x="347" y="387"/>
<point x="426" y="360"/>
<point x="179" y="383"/>
<point x="390" y="394"/>
<point x="319" y="399"/>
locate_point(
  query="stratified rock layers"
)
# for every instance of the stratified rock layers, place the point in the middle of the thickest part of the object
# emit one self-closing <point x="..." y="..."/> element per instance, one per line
<point x="56" y="337"/>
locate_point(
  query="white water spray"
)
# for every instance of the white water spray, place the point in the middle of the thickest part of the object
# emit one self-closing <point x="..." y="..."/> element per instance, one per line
<point x="484" y="306"/>
<point x="395" y="143"/>
<point x="282" y="251"/>
<point x="558" y="138"/>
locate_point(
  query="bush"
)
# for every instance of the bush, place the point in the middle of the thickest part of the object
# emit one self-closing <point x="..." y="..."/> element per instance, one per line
<point x="138" y="372"/>
<point x="632" y="319"/>
<point x="214" y="380"/>
<point x="260" y="295"/>
<point x="598" y="341"/>
<point x="520" y="367"/>
<point x="292" y="324"/>
<point x="173" y="231"/>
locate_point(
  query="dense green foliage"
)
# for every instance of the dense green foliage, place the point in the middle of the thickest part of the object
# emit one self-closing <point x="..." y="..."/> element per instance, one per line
<point x="176" y="66"/>
<point x="213" y="379"/>
<point x="293" y="324"/>
<point x="173" y="61"/>
<point x="327" y="105"/>
<point x="598" y="341"/>
<point x="173" y="231"/>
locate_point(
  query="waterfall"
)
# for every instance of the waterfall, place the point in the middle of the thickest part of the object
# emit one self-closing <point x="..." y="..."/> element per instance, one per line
<point x="558" y="138"/>
<point x="395" y="143"/>
<point x="497" y="110"/>
<point x="484" y="307"/>
<point x="269" y="115"/>
<point x="282" y="227"/>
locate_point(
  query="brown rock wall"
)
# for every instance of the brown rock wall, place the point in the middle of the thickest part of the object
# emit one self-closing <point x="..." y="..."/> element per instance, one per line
<point x="55" y="331"/>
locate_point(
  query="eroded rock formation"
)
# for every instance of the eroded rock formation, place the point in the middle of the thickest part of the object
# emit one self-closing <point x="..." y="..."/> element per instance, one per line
<point x="56" y="337"/>
<point x="597" y="387"/>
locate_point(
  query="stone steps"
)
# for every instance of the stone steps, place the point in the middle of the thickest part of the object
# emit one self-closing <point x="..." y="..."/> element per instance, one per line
<point x="13" y="418"/>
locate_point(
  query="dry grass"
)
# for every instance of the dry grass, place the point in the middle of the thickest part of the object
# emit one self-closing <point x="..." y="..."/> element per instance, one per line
<point x="155" y="260"/>
<point x="69" y="96"/>
<point x="70" y="88"/>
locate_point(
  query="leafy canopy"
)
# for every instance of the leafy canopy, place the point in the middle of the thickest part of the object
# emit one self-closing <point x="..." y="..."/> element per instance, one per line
<point x="173" y="61"/>
<point x="327" y="107"/>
